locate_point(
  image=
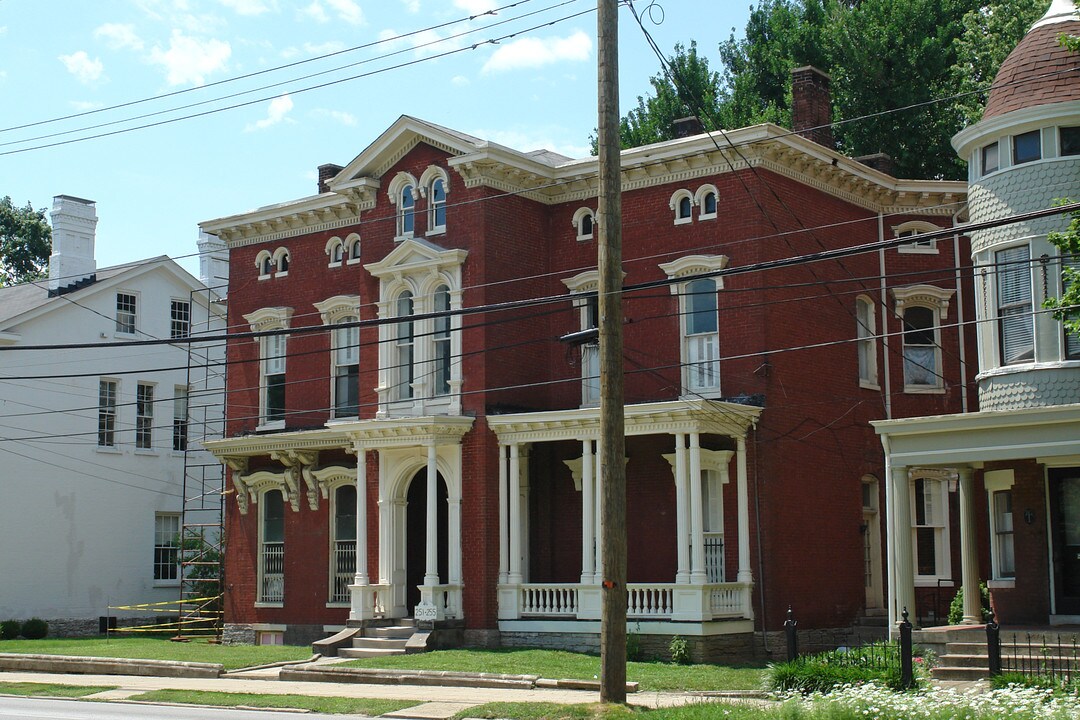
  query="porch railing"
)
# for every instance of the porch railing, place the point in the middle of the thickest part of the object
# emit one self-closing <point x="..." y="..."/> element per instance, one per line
<point x="548" y="600"/>
<point x="728" y="600"/>
<point x="344" y="570"/>
<point x="644" y="601"/>
<point x="649" y="601"/>
<point x="714" y="557"/>
<point x="272" y="587"/>
<point x="439" y="602"/>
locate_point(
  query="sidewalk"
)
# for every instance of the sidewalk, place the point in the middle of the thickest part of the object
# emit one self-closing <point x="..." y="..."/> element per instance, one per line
<point x="437" y="702"/>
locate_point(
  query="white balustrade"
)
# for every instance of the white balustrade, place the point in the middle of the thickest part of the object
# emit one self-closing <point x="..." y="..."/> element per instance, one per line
<point x="650" y="601"/>
<point x="439" y="602"/>
<point x="551" y="599"/>
<point x="728" y="600"/>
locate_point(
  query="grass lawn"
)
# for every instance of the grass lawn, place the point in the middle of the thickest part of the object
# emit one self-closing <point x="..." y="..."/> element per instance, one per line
<point x="559" y="665"/>
<point x="42" y="689"/>
<point x="152" y="648"/>
<point x="326" y="705"/>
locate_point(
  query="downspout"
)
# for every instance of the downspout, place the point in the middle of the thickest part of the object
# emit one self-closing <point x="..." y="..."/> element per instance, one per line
<point x="757" y="533"/>
<point x="890" y="536"/>
<point x="887" y="386"/>
<point x="960" y="324"/>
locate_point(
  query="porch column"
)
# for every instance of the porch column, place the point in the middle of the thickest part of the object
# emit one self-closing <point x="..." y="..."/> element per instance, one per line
<point x="746" y="575"/>
<point x="514" y="577"/>
<point x="969" y="557"/>
<point x="504" y="521"/>
<point x="431" y="574"/>
<point x="682" y="533"/>
<point x="361" y="517"/>
<point x="587" y="513"/>
<point x="905" y="569"/>
<point x="697" y="530"/>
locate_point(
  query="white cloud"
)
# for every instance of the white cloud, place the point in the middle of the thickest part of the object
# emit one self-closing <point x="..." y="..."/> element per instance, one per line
<point x="339" y="116"/>
<point x="459" y="80"/>
<point x="119" y="36"/>
<point x="248" y="7"/>
<point x="3" y="30"/>
<point x="411" y="6"/>
<point x="312" y="49"/>
<point x="390" y="40"/>
<point x="528" y="140"/>
<point x="475" y="7"/>
<point x="82" y="67"/>
<point x="84" y="105"/>
<point x="190" y="60"/>
<point x="347" y="10"/>
<point x="275" y="113"/>
<point x="537" y="52"/>
<point x="180" y="14"/>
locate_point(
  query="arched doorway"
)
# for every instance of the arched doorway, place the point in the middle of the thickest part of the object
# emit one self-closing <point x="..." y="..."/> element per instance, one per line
<point x="416" y="534"/>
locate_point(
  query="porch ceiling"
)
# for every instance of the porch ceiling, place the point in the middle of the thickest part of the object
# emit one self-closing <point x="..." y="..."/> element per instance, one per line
<point x="679" y="416"/>
<point x="973" y="438"/>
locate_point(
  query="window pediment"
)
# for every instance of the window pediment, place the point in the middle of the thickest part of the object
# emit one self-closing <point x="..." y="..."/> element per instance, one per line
<point x="691" y="265"/>
<point x="340" y="306"/>
<point x="414" y="256"/>
<point x="272" y="318"/>
<point x="926" y="295"/>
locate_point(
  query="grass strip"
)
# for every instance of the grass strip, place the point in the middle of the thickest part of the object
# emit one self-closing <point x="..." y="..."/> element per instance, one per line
<point x="596" y="711"/>
<point x="557" y="665"/>
<point x="231" y="657"/>
<point x="327" y="705"/>
<point x="26" y="689"/>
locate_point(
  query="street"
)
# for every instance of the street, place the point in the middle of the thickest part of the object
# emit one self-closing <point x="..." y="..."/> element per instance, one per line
<point x="53" y="709"/>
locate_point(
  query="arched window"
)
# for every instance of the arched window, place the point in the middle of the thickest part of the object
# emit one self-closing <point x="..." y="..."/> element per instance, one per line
<point x="703" y="347"/>
<point x="406" y="211"/>
<point x="913" y="230"/>
<point x="584" y="222"/>
<point x="354" y="248"/>
<point x="281" y="261"/>
<point x="335" y="249"/>
<point x="705" y="198"/>
<point x="404" y="343"/>
<point x="437" y="206"/>
<point x="264" y="262"/>
<point x="336" y="253"/>
<point x="682" y="202"/>
<point x="920" y="348"/>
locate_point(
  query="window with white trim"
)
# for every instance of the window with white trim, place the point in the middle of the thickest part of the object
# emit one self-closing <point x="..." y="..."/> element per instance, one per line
<point x="343" y="532"/>
<point x="705" y="198"/>
<point x="179" y="319"/>
<point x="921" y="309"/>
<point x="1069" y="141"/>
<point x="437" y="206"/>
<point x="999" y="491"/>
<point x="441" y="358"/>
<point x="272" y="354"/>
<point x="126" y="314"/>
<point x="866" y="331"/>
<point x="180" y="418"/>
<point x="699" y="336"/>
<point x="107" y="391"/>
<point x="404" y="347"/>
<point x="913" y="230"/>
<point x="353" y="244"/>
<point x="272" y="547"/>
<point x="406" y="214"/>
<point x="583" y="288"/>
<point x="1027" y="147"/>
<point x="281" y="262"/>
<point x="930" y="529"/>
<point x="144" y="416"/>
<point x="1016" y="322"/>
<point x="584" y="222"/>
<point x="712" y="503"/>
<point x="335" y="249"/>
<point x="264" y="263"/>
<point x="166" y="548"/>
<point x="682" y="203"/>
<point x="346" y="370"/>
<point x="990" y="158"/>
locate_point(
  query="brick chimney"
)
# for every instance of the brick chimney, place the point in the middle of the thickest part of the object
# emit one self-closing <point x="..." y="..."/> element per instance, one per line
<point x="327" y="172"/>
<point x="72" y="263"/>
<point x="687" y="127"/>
<point x="811" y="105"/>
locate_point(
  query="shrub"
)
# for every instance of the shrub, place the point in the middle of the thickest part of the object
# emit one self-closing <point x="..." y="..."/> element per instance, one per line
<point x="633" y="647"/>
<point x="821" y="673"/>
<point x="956" y="607"/>
<point x="679" y="650"/>
<point x="9" y="629"/>
<point x="35" y="629"/>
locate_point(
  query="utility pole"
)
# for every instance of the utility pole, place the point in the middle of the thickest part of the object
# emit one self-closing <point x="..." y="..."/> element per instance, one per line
<point x="612" y="434"/>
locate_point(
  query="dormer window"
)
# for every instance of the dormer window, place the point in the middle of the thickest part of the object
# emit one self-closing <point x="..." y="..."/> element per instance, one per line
<point x="583" y="221"/>
<point x="705" y="199"/>
<point x="682" y="202"/>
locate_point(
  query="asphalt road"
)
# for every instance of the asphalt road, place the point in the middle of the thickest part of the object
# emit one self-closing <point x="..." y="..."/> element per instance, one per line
<point x="52" y="709"/>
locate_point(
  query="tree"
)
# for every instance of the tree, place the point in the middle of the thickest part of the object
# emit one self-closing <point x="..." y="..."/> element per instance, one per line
<point x="25" y="243"/>
<point x="1067" y="307"/>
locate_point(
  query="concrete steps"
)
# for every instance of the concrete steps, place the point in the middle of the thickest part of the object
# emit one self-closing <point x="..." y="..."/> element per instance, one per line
<point x="380" y="641"/>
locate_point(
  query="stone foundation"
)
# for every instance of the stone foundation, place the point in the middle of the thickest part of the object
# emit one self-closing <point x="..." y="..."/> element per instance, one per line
<point x="90" y="627"/>
<point x="237" y="634"/>
<point x="773" y="645"/>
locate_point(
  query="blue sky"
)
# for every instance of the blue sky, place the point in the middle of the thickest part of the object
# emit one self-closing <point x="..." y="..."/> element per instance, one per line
<point x="152" y="186"/>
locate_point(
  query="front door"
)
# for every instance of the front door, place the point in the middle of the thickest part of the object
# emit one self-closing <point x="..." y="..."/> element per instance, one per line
<point x="416" y="534"/>
<point x="1065" y="536"/>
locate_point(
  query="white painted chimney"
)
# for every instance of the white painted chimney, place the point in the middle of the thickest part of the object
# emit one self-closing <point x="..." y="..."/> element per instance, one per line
<point x="213" y="262"/>
<point x="74" y="221"/>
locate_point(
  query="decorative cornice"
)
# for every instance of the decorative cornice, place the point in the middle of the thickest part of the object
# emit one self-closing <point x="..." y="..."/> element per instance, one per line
<point x="292" y="219"/>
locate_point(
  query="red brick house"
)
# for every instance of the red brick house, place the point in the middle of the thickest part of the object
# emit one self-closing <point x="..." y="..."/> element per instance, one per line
<point x="460" y="390"/>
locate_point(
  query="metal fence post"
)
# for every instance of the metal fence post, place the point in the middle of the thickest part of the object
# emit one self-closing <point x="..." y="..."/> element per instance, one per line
<point x="792" y="638"/>
<point x="907" y="676"/>
<point x="993" y="646"/>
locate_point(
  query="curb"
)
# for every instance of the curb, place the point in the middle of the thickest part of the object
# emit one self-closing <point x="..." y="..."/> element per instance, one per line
<point x="78" y="665"/>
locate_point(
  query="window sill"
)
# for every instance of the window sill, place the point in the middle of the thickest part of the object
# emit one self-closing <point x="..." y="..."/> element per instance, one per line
<point x="933" y="582"/>
<point x="146" y="451"/>
<point x="584" y="238"/>
<point x="334" y="264"/>
<point x="338" y="605"/>
<point x="710" y="216"/>
<point x="166" y="583"/>
<point x="684" y="221"/>
<point x="264" y="277"/>
<point x="109" y="450"/>
<point x="403" y="238"/>
<point x="924" y="390"/>
<point x="282" y="274"/>
<point x="1001" y="584"/>
<point x="261" y="604"/>
<point x="436" y="231"/>
<point x="906" y="250"/>
<point x="266" y="427"/>
<point x="868" y="385"/>
<point x="353" y="261"/>
<point x="124" y="335"/>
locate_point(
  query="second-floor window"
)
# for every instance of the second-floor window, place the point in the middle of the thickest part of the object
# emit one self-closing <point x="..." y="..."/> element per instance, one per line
<point x="273" y="378"/>
<point x="107" y="390"/>
<point x="180" y="418"/>
<point x="179" y="319"/>
<point x="700" y="336"/>
<point x="867" y="341"/>
<point x="144" y="416"/>
<point x="1016" y="324"/>
<point x="126" y="315"/>
<point x="404" y="346"/>
<point x="347" y="369"/>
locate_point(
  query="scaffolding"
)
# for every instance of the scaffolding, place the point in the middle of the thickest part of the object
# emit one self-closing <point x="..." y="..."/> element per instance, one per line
<point x="202" y="535"/>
